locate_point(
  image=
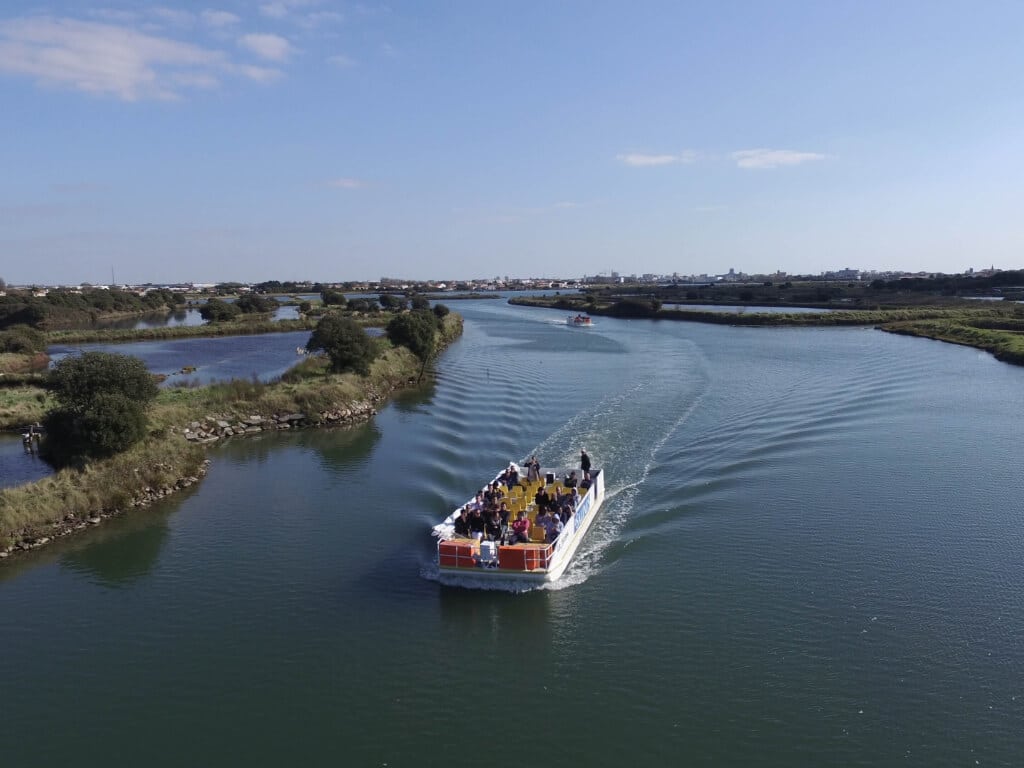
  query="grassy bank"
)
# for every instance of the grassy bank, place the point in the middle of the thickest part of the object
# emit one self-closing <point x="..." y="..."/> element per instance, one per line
<point x="23" y="405"/>
<point x="207" y="330"/>
<point x="997" y="328"/>
<point x="1005" y="345"/>
<point x="62" y="502"/>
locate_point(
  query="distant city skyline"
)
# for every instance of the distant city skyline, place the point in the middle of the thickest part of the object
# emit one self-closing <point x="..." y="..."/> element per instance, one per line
<point x="321" y="140"/>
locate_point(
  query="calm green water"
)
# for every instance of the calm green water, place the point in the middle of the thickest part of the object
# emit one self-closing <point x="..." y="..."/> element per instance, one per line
<point x="811" y="555"/>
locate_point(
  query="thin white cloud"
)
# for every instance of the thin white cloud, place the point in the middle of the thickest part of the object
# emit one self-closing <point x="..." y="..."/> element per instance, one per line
<point x="646" y="160"/>
<point x="279" y="9"/>
<point x="104" y="58"/>
<point x="115" y="15"/>
<point x="260" y="74"/>
<point x="218" y="19"/>
<point x="346" y="183"/>
<point x="115" y="60"/>
<point x="173" y="16"/>
<point x="319" y="19"/>
<point x="341" y="60"/>
<point x="274" y="10"/>
<point x="266" y="46"/>
<point x="773" y="158"/>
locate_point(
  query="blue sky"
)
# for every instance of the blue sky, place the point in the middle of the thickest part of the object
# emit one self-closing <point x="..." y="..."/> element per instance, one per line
<point x="312" y="139"/>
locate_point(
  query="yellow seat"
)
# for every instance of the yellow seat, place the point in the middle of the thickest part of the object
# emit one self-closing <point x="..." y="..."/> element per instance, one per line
<point x="538" y="534"/>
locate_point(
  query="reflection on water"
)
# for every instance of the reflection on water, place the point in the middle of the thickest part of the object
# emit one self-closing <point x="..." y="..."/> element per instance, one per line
<point x="264" y="356"/>
<point x="121" y="553"/>
<point x="411" y="400"/>
<point x="114" y="554"/>
<point x="176" y="318"/>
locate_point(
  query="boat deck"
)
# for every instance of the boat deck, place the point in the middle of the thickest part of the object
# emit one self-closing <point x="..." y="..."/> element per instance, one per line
<point x="534" y="558"/>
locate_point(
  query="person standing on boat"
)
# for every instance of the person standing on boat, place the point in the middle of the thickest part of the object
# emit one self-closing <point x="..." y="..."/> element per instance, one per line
<point x="532" y="470"/>
<point x="584" y="461"/>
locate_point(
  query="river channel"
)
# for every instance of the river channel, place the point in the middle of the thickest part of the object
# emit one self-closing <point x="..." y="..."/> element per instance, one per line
<point x="811" y="554"/>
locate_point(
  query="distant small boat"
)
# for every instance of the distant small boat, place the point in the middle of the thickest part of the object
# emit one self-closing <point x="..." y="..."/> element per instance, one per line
<point x="580" y="321"/>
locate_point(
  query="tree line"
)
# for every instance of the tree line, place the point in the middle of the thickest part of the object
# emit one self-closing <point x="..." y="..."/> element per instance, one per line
<point x="67" y="307"/>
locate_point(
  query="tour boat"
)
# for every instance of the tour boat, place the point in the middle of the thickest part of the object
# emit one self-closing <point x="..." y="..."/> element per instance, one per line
<point x="476" y="562"/>
<point x="580" y="321"/>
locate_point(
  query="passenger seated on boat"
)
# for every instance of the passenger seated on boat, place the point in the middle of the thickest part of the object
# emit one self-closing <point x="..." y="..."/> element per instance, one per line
<point x="462" y="523"/>
<point x="521" y="529"/>
<point x="554" y="527"/>
<point x="543" y="518"/>
<point x="570" y="480"/>
<point x="479" y="502"/>
<point x="585" y="482"/>
<point x="512" y="476"/>
<point x="493" y="527"/>
<point x="492" y="493"/>
<point x="477" y="524"/>
<point x="542" y="500"/>
<point x="504" y="512"/>
<point x="565" y="511"/>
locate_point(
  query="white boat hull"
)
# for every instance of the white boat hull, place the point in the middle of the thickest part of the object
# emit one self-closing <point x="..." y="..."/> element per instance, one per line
<point x="462" y="562"/>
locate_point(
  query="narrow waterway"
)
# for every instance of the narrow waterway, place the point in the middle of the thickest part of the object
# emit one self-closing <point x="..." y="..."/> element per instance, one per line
<point x="811" y="554"/>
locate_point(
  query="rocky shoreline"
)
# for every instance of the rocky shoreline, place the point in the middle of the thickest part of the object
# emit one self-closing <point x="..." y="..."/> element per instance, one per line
<point x="219" y="426"/>
<point x="70" y="524"/>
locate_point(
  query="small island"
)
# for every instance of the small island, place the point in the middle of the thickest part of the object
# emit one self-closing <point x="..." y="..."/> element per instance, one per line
<point x="118" y="441"/>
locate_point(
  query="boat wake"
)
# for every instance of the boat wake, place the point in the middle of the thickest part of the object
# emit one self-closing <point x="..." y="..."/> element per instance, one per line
<point x="623" y="430"/>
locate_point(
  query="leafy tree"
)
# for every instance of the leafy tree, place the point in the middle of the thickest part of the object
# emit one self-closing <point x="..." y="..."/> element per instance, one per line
<point x="420" y="302"/>
<point x="333" y="298"/>
<point x="345" y="342"/>
<point x="252" y="304"/>
<point x="305" y="307"/>
<point x="77" y="381"/>
<point x="441" y="311"/>
<point x="103" y="398"/>
<point x="392" y="303"/>
<point x="417" y="331"/>
<point x="216" y="311"/>
<point x="634" y="308"/>
<point x="362" y="305"/>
